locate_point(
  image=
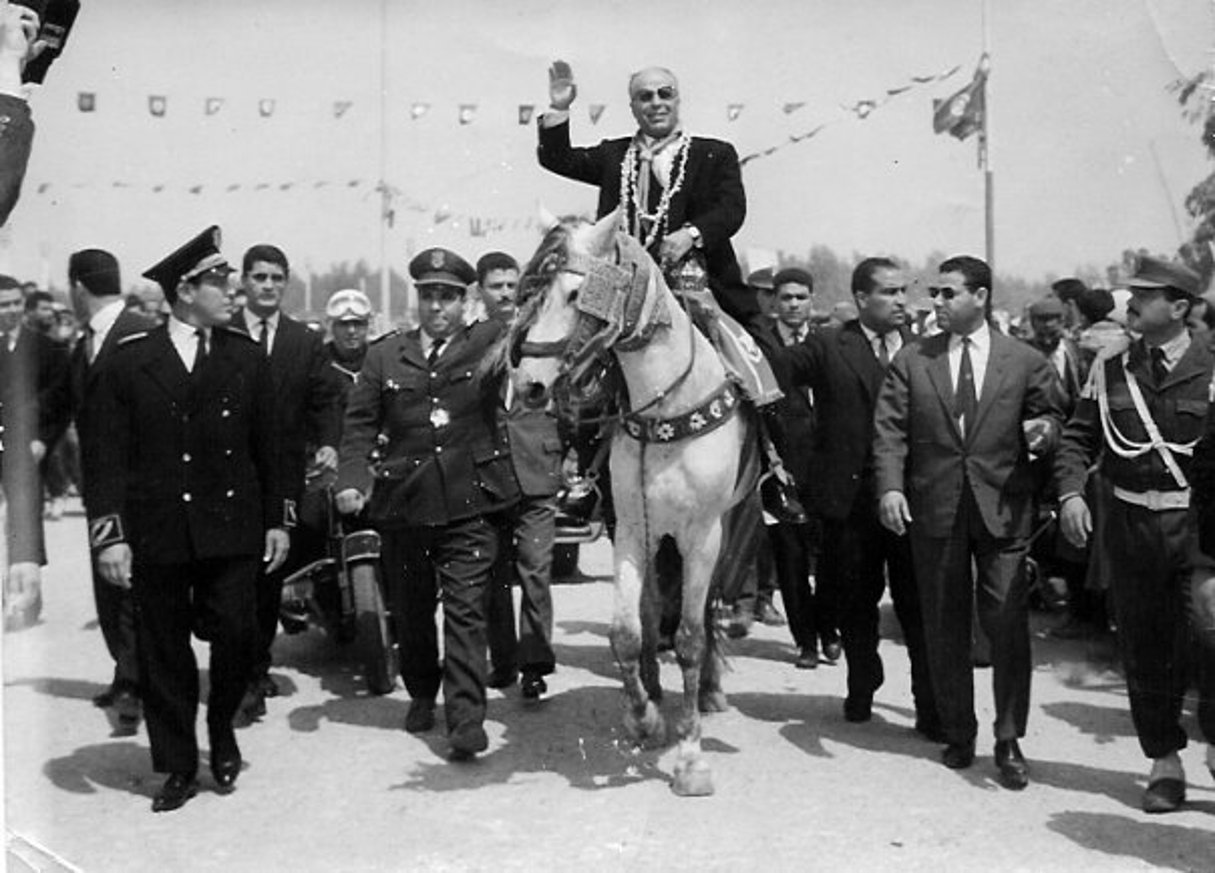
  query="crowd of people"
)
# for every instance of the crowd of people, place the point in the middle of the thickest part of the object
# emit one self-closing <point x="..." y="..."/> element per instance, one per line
<point x="922" y="455"/>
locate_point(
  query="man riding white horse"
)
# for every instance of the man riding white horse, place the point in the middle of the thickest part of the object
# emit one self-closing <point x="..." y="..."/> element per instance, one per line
<point x="678" y="195"/>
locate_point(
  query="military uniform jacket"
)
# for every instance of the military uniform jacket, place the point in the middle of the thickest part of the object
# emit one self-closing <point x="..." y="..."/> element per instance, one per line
<point x="1178" y="406"/>
<point x="446" y="457"/>
<point x="712" y="198"/>
<point x="16" y="138"/>
<point x="187" y="465"/>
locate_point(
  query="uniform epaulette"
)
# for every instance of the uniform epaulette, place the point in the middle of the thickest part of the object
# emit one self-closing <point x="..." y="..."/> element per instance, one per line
<point x="132" y="337"/>
<point x="238" y="331"/>
<point x="396" y="331"/>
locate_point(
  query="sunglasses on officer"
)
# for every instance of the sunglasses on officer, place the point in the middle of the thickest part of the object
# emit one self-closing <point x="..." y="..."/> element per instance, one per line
<point x="663" y="92"/>
<point x="945" y="292"/>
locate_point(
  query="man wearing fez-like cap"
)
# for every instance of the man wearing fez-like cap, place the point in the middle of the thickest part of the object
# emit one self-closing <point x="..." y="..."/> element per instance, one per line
<point x="189" y="500"/>
<point x="1142" y="415"/>
<point x="96" y="293"/>
<point x="444" y="476"/>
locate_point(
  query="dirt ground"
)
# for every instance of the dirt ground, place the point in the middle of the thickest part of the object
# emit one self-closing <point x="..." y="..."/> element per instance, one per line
<point x="333" y="782"/>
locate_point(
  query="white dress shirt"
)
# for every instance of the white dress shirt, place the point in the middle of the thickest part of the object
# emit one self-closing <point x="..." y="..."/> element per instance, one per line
<point x="255" y="328"/>
<point x="185" y="339"/>
<point x="980" y="350"/>
<point x="102" y="323"/>
<point x="892" y="338"/>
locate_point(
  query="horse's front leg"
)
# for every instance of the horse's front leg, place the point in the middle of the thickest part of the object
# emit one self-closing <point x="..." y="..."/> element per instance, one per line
<point x="692" y="775"/>
<point x="642" y="718"/>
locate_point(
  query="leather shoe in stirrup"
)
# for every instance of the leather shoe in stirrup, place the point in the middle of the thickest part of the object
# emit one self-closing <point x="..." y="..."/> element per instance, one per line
<point x="178" y="789"/>
<point x="781" y="502"/>
<point x="1014" y="773"/>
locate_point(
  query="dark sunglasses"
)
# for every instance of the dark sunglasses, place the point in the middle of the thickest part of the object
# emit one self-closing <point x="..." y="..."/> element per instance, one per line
<point x="945" y="293"/>
<point x="442" y="293"/>
<point x="666" y="92"/>
<point x="263" y="277"/>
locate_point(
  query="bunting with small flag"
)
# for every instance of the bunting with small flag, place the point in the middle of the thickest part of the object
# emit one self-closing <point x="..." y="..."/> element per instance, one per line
<point x="526" y="112"/>
<point x="341" y="107"/>
<point x="468" y="111"/>
<point x="418" y="110"/>
<point x="213" y="105"/>
<point x="158" y="105"/>
<point x="733" y="111"/>
<point x="265" y="107"/>
<point x="86" y="101"/>
<point x="790" y="108"/>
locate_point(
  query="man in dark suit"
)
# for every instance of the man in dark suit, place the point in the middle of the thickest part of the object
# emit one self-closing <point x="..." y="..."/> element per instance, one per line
<point x="845" y="366"/>
<point x="21" y="482"/>
<point x="308" y="407"/>
<point x="529" y="528"/>
<point x="191" y="495"/>
<point x="96" y="292"/>
<point x="445" y="474"/>
<point x="956" y="421"/>
<point x="682" y="197"/>
<point x="1147" y="406"/>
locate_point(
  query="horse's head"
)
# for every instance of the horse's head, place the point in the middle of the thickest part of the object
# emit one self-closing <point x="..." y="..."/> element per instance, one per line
<point x="571" y="295"/>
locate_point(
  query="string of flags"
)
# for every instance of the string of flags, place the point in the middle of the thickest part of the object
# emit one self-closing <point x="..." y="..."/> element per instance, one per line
<point x="859" y="110"/>
<point x="467" y="113"/>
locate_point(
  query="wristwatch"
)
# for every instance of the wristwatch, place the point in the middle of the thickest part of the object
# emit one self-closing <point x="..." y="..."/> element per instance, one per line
<point x="694" y="232"/>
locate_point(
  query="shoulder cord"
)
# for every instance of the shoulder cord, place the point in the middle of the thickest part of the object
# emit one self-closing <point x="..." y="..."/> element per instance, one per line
<point x="1127" y="448"/>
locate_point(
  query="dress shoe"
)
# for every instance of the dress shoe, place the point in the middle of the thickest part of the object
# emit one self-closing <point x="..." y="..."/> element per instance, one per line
<point x="832" y="650"/>
<point x="768" y="614"/>
<point x="577" y="503"/>
<point x="225" y="768"/>
<point x="466" y="740"/>
<point x="858" y="707"/>
<point x="780" y="500"/>
<point x="421" y="715"/>
<point x="105" y="699"/>
<point x="958" y="756"/>
<point x="1164" y="795"/>
<point x="807" y="658"/>
<point x="1014" y="773"/>
<point x="500" y="678"/>
<point x="178" y="788"/>
<point x="533" y="687"/>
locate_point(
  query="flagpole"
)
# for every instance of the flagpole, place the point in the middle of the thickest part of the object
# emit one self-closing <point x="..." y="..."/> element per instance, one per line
<point x="989" y="221"/>
<point x="385" y="196"/>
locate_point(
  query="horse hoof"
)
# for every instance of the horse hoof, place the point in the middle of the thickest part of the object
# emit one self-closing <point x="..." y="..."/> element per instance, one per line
<point x="649" y="726"/>
<point x="693" y="780"/>
<point x="713" y="701"/>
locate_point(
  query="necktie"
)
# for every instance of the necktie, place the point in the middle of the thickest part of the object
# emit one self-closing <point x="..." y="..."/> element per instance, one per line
<point x="964" y="396"/>
<point x="264" y="339"/>
<point x="435" y="350"/>
<point x="1159" y="371"/>
<point x="883" y="355"/>
<point x="90" y="336"/>
<point x="200" y="351"/>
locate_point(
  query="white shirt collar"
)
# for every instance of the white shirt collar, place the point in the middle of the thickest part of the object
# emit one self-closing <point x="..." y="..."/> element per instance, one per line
<point x="980" y="338"/>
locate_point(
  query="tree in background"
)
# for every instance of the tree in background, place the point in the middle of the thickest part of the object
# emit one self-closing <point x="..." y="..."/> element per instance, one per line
<point x="1197" y="98"/>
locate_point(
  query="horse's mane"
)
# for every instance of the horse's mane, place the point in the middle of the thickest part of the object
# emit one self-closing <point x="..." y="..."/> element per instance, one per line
<point x="538" y="275"/>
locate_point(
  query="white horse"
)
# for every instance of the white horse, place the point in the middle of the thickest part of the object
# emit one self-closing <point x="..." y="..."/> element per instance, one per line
<point x="682" y="457"/>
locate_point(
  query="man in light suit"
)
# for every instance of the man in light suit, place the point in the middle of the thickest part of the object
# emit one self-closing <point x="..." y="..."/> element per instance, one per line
<point x="957" y="419"/>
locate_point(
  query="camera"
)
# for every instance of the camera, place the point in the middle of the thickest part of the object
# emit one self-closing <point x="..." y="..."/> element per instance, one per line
<point x="55" y="22"/>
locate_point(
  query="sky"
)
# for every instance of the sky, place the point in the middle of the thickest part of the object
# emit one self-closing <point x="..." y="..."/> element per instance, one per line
<point x="1089" y="152"/>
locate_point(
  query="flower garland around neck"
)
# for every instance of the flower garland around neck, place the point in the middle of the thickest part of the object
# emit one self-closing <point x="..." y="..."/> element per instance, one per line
<point x="629" y="169"/>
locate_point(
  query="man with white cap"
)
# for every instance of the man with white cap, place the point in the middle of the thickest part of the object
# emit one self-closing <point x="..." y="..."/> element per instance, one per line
<point x="349" y="315"/>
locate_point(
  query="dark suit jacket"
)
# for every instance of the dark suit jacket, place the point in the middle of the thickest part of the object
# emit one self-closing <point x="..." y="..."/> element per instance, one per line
<point x="16" y="138"/>
<point x="846" y="377"/>
<point x="19" y="472"/>
<point x="308" y="398"/>
<point x="712" y="198"/>
<point x="795" y="415"/>
<point x="83" y="387"/>
<point x="50" y="363"/>
<point x="446" y="457"/>
<point x="919" y="450"/>
<point x="186" y="464"/>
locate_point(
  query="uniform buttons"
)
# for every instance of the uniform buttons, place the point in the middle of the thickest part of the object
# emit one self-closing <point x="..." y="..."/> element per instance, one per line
<point x="227" y="453"/>
<point x="438" y="450"/>
<point x="186" y="457"/>
<point x="225" y="413"/>
<point x="434" y="375"/>
<point x="186" y="497"/>
<point x="229" y="493"/>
